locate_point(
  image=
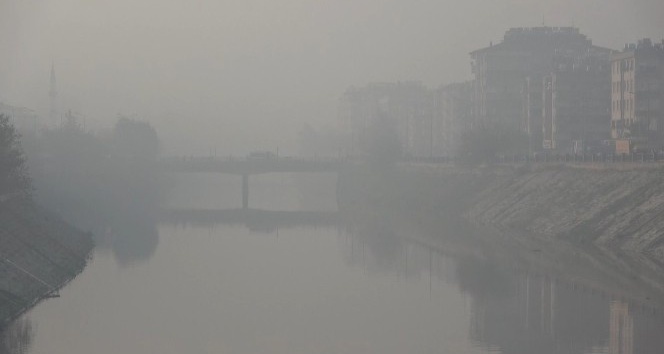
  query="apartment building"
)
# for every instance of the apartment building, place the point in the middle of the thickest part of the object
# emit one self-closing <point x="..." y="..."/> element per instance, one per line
<point x="407" y="107"/>
<point x="637" y="96"/>
<point x="452" y="117"/>
<point x="508" y="76"/>
<point x="576" y="97"/>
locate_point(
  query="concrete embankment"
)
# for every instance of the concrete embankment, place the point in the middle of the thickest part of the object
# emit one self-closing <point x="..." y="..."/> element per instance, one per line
<point x="617" y="207"/>
<point x="39" y="253"/>
<point x="584" y="224"/>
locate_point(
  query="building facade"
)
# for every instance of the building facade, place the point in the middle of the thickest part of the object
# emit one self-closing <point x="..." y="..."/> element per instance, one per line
<point x="637" y="96"/>
<point x="452" y="117"/>
<point x="575" y="102"/>
<point x="508" y="76"/>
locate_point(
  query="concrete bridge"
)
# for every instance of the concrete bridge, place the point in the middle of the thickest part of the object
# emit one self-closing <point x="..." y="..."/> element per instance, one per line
<point x="251" y="166"/>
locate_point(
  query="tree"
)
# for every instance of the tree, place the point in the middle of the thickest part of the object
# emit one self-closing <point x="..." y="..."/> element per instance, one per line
<point x="135" y="140"/>
<point x="81" y="171"/>
<point x="135" y="150"/>
<point x="13" y="170"/>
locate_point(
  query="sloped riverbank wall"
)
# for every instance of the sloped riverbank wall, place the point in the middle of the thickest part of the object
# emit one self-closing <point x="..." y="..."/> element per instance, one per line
<point x="39" y="253"/>
<point x="617" y="207"/>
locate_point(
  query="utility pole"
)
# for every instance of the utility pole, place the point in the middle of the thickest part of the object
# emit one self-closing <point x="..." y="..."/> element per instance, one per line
<point x="431" y="136"/>
<point x="53" y="95"/>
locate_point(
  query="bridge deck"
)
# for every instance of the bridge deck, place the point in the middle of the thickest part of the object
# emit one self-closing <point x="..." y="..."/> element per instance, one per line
<point x="251" y="166"/>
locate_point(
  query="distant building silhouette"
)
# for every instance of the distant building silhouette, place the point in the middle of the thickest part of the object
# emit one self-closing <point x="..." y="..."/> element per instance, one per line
<point x="508" y="76"/>
<point x="575" y="103"/>
<point x="637" y="107"/>
<point x="408" y="106"/>
<point x="452" y="117"/>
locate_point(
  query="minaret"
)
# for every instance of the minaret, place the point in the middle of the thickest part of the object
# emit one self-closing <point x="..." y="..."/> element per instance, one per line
<point x="53" y="94"/>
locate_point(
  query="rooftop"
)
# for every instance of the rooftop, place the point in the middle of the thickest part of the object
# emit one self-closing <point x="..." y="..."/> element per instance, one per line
<point x="538" y="37"/>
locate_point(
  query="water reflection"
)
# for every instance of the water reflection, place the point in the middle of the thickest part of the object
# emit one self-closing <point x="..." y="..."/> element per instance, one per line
<point x="514" y="309"/>
<point x="131" y="235"/>
<point x="133" y="239"/>
<point x="16" y="338"/>
<point x="375" y="245"/>
<point x="526" y="313"/>
<point x="546" y="315"/>
<point x="256" y="220"/>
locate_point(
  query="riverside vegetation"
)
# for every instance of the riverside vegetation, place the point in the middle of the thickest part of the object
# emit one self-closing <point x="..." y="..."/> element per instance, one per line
<point x="78" y="180"/>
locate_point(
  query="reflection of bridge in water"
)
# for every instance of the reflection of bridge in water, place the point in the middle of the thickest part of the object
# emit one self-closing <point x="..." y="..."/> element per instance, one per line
<point x="246" y="167"/>
<point x="254" y="219"/>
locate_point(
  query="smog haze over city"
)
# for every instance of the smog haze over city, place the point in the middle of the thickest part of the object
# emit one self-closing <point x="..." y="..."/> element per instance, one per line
<point x="241" y="75"/>
<point x="332" y="176"/>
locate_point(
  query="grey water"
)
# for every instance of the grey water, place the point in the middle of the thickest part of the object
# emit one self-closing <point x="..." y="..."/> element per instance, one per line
<point x="368" y="285"/>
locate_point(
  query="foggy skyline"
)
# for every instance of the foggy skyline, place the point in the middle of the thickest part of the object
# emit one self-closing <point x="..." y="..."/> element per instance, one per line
<point x="240" y="76"/>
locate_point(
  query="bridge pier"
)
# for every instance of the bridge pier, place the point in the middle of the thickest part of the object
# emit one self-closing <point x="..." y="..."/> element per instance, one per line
<point x="245" y="191"/>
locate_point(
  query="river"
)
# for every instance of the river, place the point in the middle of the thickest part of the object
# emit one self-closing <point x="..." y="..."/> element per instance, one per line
<point x="202" y="281"/>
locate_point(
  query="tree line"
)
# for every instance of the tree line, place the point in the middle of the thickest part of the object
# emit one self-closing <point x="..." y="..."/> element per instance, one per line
<point x="70" y="169"/>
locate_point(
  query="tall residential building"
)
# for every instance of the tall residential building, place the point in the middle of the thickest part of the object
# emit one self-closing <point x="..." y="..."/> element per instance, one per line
<point x="637" y="99"/>
<point x="575" y="102"/>
<point x="508" y="75"/>
<point x="405" y="106"/>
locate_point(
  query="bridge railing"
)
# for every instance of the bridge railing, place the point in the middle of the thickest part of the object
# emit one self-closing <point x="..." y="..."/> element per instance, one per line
<point x="250" y="165"/>
<point x="230" y="158"/>
<point x="636" y="157"/>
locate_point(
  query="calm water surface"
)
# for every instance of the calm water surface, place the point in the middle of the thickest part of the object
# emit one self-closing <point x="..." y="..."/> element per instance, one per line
<point x="364" y="287"/>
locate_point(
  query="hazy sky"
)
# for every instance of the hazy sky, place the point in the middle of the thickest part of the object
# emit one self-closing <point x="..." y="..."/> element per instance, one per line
<point x="244" y="75"/>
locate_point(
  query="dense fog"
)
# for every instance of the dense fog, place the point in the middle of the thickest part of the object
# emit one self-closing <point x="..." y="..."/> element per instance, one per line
<point x="334" y="176"/>
<point x="243" y="76"/>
